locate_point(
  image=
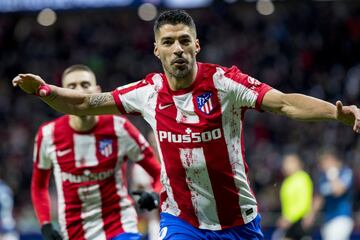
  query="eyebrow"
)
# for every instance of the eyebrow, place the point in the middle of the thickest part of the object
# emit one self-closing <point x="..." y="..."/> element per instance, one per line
<point x="182" y="36"/>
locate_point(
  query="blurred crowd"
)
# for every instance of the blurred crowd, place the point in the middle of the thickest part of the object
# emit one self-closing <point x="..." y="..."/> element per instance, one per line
<point x="304" y="46"/>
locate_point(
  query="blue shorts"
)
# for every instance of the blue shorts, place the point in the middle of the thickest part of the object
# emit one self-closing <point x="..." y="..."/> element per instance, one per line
<point x="174" y="228"/>
<point x="128" y="236"/>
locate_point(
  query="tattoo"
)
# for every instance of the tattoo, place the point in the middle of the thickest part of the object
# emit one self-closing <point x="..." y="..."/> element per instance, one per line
<point x="99" y="99"/>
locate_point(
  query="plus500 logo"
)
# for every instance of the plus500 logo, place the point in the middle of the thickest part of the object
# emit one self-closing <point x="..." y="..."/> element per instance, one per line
<point x="194" y="137"/>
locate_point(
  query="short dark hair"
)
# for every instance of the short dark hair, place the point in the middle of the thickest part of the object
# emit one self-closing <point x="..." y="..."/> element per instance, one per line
<point x="76" y="67"/>
<point x="174" y="17"/>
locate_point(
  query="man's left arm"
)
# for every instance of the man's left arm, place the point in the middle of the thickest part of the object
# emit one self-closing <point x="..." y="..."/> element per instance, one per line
<point x="306" y="108"/>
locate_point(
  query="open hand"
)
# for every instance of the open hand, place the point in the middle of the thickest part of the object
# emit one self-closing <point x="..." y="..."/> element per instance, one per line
<point x="30" y="83"/>
<point x="349" y="115"/>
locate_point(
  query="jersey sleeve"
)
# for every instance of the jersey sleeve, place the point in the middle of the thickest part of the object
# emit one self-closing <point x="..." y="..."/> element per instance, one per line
<point x="40" y="178"/>
<point x="131" y="98"/>
<point x="41" y="159"/>
<point x="40" y="194"/>
<point x="247" y="91"/>
<point x="140" y="152"/>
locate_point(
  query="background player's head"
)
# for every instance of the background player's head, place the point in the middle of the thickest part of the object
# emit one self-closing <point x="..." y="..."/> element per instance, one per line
<point x="80" y="77"/>
<point x="291" y="163"/>
<point x="176" y="44"/>
<point x="329" y="159"/>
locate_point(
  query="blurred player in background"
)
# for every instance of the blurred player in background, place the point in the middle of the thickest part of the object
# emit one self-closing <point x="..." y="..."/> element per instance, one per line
<point x="296" y="198"/>
<point x="7" y="222"/>
<point x="88" y="155"/>
<point x="196" y="111"/>
<point x="334" y="198"/>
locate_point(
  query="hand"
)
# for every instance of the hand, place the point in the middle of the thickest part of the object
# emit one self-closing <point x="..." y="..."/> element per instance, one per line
<point x="31" y="84"/>
<point x="283" y="223"/>
<point x="349" y="115"/>
<point x="49" y="233"/>
<point x="147" y="200"/>
<point x="308" y="221"/>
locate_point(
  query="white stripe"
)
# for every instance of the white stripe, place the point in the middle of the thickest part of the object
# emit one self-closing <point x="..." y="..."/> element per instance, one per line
<point x="128" y="217"/>
<point x="198" y="181"/>
<point x="47" y="147"/>
<point x="243" y="96"/>
<point x="91" y="212"/>
<point x="232" y="134"/>
<point x="127" y="146"/>
<point x="61" y="199"/>
<point x="185" y="108"/>
<point x="85" y="150"/>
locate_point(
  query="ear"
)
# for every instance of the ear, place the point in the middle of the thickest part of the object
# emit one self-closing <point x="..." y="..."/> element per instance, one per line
<point x="197" y="46"/>
<point x="156" y="51"/>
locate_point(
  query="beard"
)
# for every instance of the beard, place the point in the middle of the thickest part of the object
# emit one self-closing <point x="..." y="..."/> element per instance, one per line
<point x="181" y="71"/>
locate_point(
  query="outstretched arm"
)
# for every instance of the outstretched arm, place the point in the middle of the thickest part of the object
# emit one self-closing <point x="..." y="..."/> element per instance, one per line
<point x="302" y="107"/>
<point x="66" y="100"/>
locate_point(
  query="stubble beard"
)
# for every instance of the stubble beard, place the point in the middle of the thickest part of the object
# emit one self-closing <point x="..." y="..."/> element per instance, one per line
<point x="178" y="73"/>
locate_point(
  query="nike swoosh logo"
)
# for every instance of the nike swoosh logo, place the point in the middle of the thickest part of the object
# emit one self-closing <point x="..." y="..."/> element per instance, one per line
<point x="63" y="153"/>
<point x="161" y="107"/>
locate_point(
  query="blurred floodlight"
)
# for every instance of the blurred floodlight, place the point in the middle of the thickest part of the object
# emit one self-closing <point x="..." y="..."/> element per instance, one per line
<point x="186" y="3"/>
<point x="147" y="11"/>
<point x="265" y="7"/>
<point x="46" y="17"/>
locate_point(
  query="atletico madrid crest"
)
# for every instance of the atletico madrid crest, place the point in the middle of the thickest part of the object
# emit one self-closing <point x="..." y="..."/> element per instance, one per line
<point x="105" y="147"/>
<point x="205" y="102"/>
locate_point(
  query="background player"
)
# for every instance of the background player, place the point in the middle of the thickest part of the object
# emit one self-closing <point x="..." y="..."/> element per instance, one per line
<point x="196" y="111"/>
<point x="296" y="198"/>
<point x="88" y="155"/>
<point x="334" y="198"/>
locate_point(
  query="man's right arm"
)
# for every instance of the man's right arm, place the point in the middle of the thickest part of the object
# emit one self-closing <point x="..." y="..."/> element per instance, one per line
<point x="67" y="100"/>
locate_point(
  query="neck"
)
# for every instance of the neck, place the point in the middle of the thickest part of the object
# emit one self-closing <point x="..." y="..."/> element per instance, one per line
<point x="83" y="123"/>
<point x="178" y="83"/>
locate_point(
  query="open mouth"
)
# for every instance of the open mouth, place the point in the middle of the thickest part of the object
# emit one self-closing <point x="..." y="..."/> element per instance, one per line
<point x="179" y="61"/>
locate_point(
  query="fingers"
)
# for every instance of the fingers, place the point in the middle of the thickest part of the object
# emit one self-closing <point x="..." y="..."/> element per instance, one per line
<point x="339" y="106"/>
<point x="356" y="111"/>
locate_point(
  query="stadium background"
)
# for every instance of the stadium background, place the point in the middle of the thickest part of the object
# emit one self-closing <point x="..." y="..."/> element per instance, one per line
<point x="312" y="47"/>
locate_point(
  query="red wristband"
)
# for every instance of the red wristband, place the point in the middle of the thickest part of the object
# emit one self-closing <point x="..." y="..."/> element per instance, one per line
<point x="45" y="88"/>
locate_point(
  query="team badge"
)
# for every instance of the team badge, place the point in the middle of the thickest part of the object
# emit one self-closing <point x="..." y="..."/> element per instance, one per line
<point x="205" y="102"/>
<point x="105" y="147"/>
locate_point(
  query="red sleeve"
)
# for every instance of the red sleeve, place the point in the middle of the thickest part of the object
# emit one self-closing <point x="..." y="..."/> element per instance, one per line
<point x="152" y="167"/>
<point x="40" y="194"/>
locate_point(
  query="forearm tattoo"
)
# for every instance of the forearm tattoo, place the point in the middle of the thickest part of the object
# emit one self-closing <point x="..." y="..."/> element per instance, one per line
<point x="99" y="99"/>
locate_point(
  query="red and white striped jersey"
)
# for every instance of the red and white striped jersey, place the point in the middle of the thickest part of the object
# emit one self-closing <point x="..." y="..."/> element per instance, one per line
<point x="93" y="201"/>
<point x="199" y="132"/>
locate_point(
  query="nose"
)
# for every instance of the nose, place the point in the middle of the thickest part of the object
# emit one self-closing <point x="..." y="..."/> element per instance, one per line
<point x="178" y="49"/>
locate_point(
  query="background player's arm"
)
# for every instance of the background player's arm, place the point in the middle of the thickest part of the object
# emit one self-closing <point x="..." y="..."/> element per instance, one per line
<point x="67" y="100"/>
<point x="302" y="107"/>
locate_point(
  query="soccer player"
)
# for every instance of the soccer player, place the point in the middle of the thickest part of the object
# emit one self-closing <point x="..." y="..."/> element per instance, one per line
<point x="334" y="197"/>
<point x="87" y="155"/>
<point x="7" y="221"/>
<point x="196" y="111"/>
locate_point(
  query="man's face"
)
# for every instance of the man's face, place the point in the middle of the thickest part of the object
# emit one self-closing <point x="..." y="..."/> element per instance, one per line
<point x="176" y="46"/>
<point x="81" y="80"/>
